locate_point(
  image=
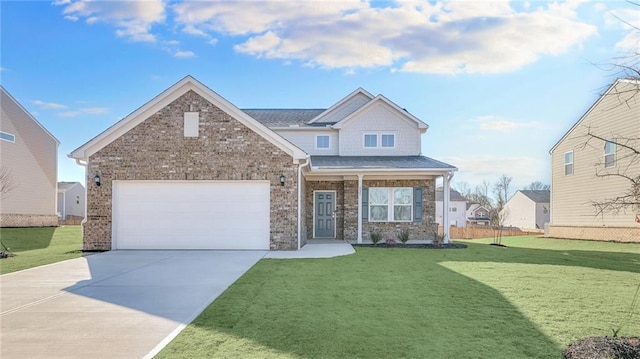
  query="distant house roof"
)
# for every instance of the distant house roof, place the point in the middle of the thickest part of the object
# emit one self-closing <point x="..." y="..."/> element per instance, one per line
<point x="64" y="186"/>
<point x="338" y="162"/>
<point x="453" y="196"/>
<point x="284" y="117"/>
<point x="538" y="196"/>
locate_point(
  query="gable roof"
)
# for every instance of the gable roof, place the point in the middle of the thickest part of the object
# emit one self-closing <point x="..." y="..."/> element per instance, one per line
<point x="26" y="115"/>
<point x="381" y="99"/>
<point x="169" y="95"/>
<point x="65" y="186"/>
<point x="537" y="196"/>
<point x="453" y="196"/>
<point x="341" y="104"/>
<point x="277" y="118"/>
<point x="600" y="99"/>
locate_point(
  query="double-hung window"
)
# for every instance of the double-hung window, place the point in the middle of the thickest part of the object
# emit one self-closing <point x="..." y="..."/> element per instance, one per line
<point x="388" y="140"/>
<point x="370" y="140"/>
<point x="610" y="153"/>
<point x="390" y="204"/>
<point x="568" y="163"/>
<point x="322" y="141"/>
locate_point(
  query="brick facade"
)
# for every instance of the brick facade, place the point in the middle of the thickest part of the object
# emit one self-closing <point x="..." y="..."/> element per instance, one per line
<point x="28" y="220"/>
<point x="225" y="149"/>
<point x="347" y="209"/>
<point x="619" y="234"/>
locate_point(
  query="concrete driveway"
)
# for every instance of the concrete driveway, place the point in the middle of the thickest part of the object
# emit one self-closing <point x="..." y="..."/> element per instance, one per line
<point x="120" y="304"/>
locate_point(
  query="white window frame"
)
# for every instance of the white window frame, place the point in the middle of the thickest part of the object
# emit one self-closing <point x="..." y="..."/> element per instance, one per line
<point x="328" y="142"/>
<point x="191" y="124"/>
<point x="5" y="134"/>
<point x="391" y="205"/>
<point x="364" y="140"/>
<point x="453" y="209"/>
<point x="393" y="136"/>
<point x="614" y="148"/>
<point x="568" y="163"/>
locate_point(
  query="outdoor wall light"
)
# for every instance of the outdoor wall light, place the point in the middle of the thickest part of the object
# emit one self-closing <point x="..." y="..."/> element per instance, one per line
<point x="282" y="178"/>
<point x="97" y="180"/>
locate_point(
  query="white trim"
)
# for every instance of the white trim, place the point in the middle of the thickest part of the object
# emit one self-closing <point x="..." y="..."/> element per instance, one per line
<point x="364" y="139"/>
<point x="165" y="98"/>
<point x="335" y="204"/>
<point x="7" y="140"/>
<point x="300" y="200"/>
<point x="390" y="205"/>
<point x="393" y="135"/>
<point x="564" y="159"/>
<point x="359" y="90"/>
<point x="403" y="114"/>
<point x="328" y="143"/>
<point x="614" y="153"/>
<point x="360" y="177"/>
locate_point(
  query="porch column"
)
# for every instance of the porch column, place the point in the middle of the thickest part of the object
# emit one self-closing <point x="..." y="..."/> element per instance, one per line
<point x="359" y="208"/>
<point x="446" y="194"/>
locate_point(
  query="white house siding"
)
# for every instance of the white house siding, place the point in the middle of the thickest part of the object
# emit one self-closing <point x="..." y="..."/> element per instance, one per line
<point x="380" y="119"/>
<point x="71" y="202"/>
<point x="523" y="213"/>
<point x="572" y="195"/>
<point x="543" y="214"/>
<point x="456" y="218"/>
<point x="306" y="140"/>
<point x="32" y="161"/>
<point x="345" y="109"/>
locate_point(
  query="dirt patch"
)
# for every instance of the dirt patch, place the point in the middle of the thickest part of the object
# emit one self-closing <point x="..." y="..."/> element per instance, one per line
<point x="604" y="348"/>
<point x="423" y="246"/>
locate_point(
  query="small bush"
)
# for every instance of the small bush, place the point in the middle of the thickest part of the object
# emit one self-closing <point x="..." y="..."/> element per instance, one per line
<point x="438" y="239"/>
<point x="375" y="237"/>
<point x="403" y="236"/>
<point x="390" y="242"/>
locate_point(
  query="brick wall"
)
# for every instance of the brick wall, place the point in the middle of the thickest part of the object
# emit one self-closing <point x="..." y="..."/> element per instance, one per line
<point x="620" y="234"/>
<point x="156" y="149"/>
<point x="28" y="220"/>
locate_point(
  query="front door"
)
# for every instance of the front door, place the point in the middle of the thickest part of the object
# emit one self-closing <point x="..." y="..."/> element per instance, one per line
<point x="324" y="224"/>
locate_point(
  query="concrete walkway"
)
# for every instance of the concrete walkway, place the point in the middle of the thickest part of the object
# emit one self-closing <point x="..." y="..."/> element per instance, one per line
<point x="121" y="304"/>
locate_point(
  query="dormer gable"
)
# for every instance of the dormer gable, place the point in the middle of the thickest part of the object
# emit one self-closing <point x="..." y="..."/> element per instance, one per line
<point x="343" y="108"/>
<point x="390" y="106"/>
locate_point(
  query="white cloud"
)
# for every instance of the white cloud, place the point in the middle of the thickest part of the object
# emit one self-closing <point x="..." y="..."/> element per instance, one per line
<point x="84" y="111"/>
<point x="492" y="123"/>
<point x="213" y="42"/>
<point x="133" y="19"/>
<point x="184" y="54"/>
<point x="443" y="38"/>
<point x="48" y="105"/>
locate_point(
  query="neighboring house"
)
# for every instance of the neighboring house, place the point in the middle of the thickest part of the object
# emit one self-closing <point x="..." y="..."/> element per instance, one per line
<point x="190" y="170"/>
<point x="28" y="163"/>
<point x="71" y="199"/>
<point x="457" y="208"/>
<point x="527" y="209"/>
<point x="587" y="170"/>
<point x="477" y="215"/>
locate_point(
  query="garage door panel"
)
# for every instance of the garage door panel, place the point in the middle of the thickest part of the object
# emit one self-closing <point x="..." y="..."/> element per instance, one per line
<point x="191" y="215"/>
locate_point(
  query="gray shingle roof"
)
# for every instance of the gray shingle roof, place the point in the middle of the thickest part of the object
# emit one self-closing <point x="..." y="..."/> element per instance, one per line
<point x="453" y="196"/>
<point x="284" y="117"/>
<point x="377" y="162"/>
<point x="538" y="196"/>
<point x="66" y="185"/>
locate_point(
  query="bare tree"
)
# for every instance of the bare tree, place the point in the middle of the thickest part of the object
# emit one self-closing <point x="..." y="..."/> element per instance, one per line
<point x="537" y="186"/>
<point x="6" y="182"/>
<point x="498" y="213"/>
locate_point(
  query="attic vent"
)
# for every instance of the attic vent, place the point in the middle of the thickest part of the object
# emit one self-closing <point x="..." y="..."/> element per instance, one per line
<point x="191" y="124"/>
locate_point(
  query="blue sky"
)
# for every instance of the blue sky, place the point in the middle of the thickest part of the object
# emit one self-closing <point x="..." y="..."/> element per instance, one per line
<point x="498" y="82"/>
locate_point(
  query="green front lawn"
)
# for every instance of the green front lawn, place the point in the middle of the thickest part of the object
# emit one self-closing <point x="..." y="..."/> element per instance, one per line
<point x="526" y="301"/>
<point x="34" y="247"/>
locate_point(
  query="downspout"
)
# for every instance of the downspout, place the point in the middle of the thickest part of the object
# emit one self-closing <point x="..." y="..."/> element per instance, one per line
<point x="446" y="195"/>
<point x="86" y="192"/>
<point x="300" y="194"/>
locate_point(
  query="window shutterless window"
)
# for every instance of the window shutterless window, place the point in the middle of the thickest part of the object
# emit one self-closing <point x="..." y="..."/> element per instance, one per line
<point x="322" y="141"/>
<point x="388" y="140"/>
<point x="390" y="204"/>
<point x="6" y="136"/>
<point x="610" y="153"/>
<point x="568" y="163"/>
<point x="370" y="140"/>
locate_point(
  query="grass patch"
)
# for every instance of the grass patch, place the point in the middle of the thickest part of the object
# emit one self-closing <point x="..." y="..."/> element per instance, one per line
<point x="526" y="301"/>
<point x="34" y="247"/>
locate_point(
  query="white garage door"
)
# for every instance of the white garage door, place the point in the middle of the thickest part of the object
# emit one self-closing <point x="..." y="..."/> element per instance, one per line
<point x="190" y="215"/>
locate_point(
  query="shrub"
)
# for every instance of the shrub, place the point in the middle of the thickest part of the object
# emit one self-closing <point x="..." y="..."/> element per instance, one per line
<point x="403" y="236"/>
<point x="438" y="239"/>
<point x="375" y="237"/>
<point x="390" y="242"/>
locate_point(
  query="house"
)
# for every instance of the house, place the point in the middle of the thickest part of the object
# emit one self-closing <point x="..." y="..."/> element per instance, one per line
<point x="477" y="215"/>
<point x="527" y="209"/>
<point x="71" y="199"/>
<point x="457" y="208"/>
<point x="189" y="170"/>
<point x="588" y="170"/>
<point x="28" y="168"/>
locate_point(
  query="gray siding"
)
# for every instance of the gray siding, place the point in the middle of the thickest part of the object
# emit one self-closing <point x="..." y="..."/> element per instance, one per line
<point x="306" y="140"/>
